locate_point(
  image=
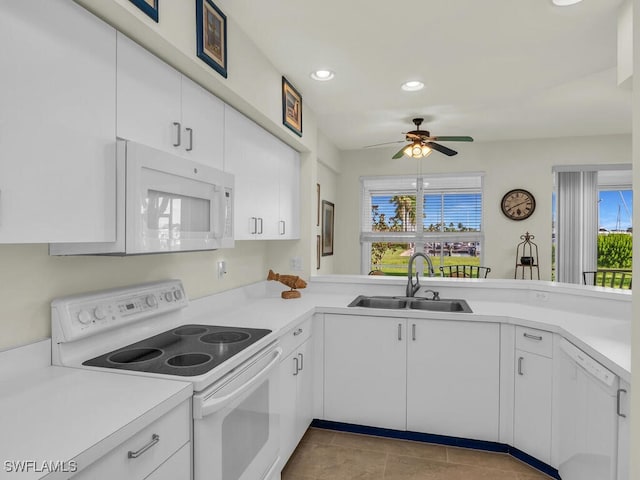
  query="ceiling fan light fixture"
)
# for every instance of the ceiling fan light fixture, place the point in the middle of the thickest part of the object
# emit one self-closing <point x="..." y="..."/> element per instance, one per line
<point x="412" y="86"/>
<point x="417" y="150"/>
<point x="322" y="75"/>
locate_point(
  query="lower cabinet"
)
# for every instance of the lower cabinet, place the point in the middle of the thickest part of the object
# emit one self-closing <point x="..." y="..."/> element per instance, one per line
<point x="624" y="419"/>
<point x="533" y="392"/>
<point x="159" y="451"/>
<point x="296" y="386"/>
<point x="430" y="376"/>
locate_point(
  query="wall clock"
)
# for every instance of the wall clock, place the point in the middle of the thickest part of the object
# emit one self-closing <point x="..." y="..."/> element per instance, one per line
<point x="518" y="204"/>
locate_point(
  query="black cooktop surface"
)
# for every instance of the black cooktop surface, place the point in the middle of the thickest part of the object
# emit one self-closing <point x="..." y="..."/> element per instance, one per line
<point x="186" y="351"/>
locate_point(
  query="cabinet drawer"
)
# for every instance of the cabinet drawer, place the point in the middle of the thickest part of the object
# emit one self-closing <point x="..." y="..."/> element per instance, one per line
<point x="173" y="432"/>
<point x="534" y="341"/>
<point x="295" y="337"/>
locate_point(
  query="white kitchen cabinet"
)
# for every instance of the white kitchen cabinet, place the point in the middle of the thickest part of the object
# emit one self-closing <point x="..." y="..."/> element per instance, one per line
<point x="57" y="124"/>
<point x="161" y="108"/>
<point x="159" y="451"/>
<point x="267" y="178"/>
<point x="533" y="393"/>
<point x="624" y="394"/>
<point x="365" y="370"/>
<point x="453" y="378"/>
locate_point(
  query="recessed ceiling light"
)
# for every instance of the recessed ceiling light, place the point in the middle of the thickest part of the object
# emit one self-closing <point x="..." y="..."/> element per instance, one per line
<point x="412" y="86"/>
<point x="565" y="3"/>
<point x="322" y="75"/>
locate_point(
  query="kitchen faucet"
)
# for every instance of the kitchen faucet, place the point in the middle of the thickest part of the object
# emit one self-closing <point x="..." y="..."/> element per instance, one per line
<point x="412" y="288"/>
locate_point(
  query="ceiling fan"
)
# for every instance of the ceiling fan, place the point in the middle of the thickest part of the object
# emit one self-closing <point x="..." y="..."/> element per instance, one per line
<point x="422" y="143"/>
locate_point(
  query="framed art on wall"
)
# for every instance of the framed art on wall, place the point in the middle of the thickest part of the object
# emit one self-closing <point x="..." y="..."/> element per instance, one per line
<point x="327" y="228"/>
<point x="150" y="7"/>
<point x="291" y="108"/>
<point x="211" y="33"/>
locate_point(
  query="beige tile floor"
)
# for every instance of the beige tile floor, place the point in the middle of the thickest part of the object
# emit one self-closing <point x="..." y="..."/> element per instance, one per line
<point x="329" y="455"/>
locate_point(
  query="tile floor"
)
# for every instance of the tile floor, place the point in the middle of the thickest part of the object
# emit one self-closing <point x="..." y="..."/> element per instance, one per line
<point x="329" y="455"/>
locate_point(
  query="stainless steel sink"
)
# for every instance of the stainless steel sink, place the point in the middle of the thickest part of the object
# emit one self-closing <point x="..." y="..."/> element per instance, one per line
<point x="414" y="303"/>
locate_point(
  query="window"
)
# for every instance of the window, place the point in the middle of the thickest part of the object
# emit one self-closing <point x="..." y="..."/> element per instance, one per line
<point x="440" y="216"/>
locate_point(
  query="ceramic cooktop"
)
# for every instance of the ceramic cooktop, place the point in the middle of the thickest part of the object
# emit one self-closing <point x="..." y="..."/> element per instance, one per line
<point x="186" y="351"/>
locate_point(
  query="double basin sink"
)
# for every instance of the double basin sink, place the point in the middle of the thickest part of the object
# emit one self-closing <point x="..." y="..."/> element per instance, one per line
<point x="413" y="303"/>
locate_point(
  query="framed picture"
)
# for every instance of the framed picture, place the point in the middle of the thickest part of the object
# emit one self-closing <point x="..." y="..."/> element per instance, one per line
<point x="211" y="33"/>
<point x="150" y="7"/>
<point x="318" y="251"/>
<point x="327" y="228"/>
<point x="291" y="108"/>
<point x="318" y="204"/>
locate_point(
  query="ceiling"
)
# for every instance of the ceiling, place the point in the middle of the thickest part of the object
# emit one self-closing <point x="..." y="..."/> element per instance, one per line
<point x="492" y="69"/>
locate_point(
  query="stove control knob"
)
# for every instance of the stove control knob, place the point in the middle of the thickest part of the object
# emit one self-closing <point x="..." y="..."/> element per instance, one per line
<point x="177" y="294"/>
<point x="99" y="313"/>
<point x="168" y="297"/>
<point x="84" y="317"/>
<point x="151" y="300"/>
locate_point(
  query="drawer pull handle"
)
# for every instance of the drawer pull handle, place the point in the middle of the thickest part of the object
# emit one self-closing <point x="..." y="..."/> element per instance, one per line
<point x="399" y="332"/>
<point x="413" y="332"/>
<point x="155" y="438"/>
<point x="297" y="332"/>
<point x="301" y="361"/>
<point x="520" y="360"/>
<point x="190" y="131"/>
<point x="178" y="133"/>
<point x="296" y="366"/>
<point x="618" y="408"/>
<point x="533" y="337"/>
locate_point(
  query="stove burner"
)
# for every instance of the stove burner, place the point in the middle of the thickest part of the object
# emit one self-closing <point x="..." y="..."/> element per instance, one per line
<point x="135" y="355"/>
<point x="189" y="359"/>
<point x="225" y="337"/>
<point x="189" y="331"/>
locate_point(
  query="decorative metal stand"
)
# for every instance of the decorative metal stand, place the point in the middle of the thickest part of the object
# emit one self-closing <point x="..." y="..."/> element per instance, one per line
<point x="527" y="258"/>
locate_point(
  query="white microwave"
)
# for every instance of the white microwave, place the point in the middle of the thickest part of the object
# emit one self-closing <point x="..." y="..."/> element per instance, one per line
<point x="164" y="204"/>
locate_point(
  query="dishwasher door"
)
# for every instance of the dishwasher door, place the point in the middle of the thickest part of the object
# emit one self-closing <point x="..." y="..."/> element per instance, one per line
<point x="588" y="422"/>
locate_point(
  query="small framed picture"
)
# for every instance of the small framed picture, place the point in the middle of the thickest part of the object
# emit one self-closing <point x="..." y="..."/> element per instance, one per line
<point x="291" y="108"/>
<point x="327" y="228"/>
<point x="150" y="7"/>
<point x="211" y="33"/>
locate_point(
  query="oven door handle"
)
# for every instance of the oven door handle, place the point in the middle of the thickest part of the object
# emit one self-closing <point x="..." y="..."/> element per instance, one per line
<point x="209" y="406"/>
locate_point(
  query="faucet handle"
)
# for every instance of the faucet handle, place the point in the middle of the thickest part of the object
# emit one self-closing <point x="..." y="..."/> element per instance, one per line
<point x="436" y="296"/>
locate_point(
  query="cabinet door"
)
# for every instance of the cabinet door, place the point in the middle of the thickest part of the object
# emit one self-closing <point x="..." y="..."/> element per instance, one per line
<point x="623" y="431"/>
<point x="365" y="370"/>
<point x="304" y="408"/>
<point x="289" y="188"/>
<point x="250" y="157"/>
<point x="57" y="124"/>
<point x="148" y="98"/>
<point x="288" y="402"/>
<point x="453" y="378"/>
<point x="202" y="125"/>
<point x="532" y="405"/>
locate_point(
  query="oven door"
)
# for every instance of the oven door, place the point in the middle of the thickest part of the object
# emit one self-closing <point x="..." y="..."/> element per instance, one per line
<point x="236" y="425"/>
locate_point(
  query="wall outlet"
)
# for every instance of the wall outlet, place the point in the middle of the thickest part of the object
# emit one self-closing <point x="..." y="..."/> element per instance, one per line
<point x="296" y="264"/>
<point x="221" y="267"/>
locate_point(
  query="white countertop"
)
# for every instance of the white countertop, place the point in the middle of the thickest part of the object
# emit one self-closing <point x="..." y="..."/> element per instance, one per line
<point x="50" y="414"/>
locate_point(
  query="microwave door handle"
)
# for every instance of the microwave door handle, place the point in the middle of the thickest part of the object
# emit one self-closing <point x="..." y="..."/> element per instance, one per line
<point x="207" y="407"/>
<point x="221" y="218"/>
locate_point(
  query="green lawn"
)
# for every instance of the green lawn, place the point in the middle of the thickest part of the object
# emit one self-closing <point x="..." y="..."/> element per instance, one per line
<point x="394" y="263"/>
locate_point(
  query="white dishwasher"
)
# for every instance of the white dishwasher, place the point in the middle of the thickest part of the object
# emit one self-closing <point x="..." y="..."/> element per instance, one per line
<point x="587" y="416"/>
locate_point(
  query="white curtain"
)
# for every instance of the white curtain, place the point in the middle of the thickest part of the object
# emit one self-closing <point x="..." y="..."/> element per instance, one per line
<point x="577" y="242"/>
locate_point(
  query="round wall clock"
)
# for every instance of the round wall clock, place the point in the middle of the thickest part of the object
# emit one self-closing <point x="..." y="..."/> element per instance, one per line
<point x="518" y="204"/>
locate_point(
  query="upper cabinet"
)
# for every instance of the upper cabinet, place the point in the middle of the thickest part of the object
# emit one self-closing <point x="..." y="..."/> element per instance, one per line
<point x="161" y="108"/>
<point x="57" y="124"/>
<point x="267" y="178"/>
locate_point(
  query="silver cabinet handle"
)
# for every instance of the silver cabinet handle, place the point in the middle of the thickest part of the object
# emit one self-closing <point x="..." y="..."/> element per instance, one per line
<point x="178" y="134"/>
<point x="301" y="356"/>
<point x="297" y="366"/>
<point x="260" y="232"/>
<point x="399" y="331"/>
<point x="283" y="231"/>
<point x="413" y="332"/>
<point x="520" y="361"/>
<point x="190" y="131"/>
<point x="155" y="438"/>
<point x="255" y="225"/>
<point x="533" y="337"/>
<point x="297" y="332"/>
<point x="618" y="402"/>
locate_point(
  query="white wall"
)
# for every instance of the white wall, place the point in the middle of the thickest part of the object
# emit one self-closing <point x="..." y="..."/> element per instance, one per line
<point x="30" y="279"/>
<point x="507" y="165"/>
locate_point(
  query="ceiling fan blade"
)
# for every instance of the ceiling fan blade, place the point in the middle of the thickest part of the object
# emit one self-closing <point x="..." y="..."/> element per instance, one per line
<point x="399" y="154"/>
<point x="386" y="143"/>
<point x="453" y="139"/>
<point x="441" y="149"/>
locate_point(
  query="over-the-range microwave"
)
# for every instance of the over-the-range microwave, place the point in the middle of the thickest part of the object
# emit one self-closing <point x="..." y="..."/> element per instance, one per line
<point x="164" y="204"/>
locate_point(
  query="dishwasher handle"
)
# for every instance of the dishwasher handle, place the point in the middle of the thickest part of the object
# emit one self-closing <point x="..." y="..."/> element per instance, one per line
<point x="211" y="405"/>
